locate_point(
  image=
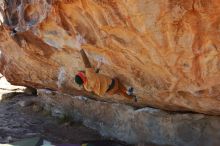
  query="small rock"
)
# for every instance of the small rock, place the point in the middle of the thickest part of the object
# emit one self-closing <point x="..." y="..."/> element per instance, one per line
<point x="9" y="139"/>
<point x="31" y="134"/>
<point x="66" y="124"/>
<point x="25" y="103"/>
<point x="30" y="91"/>
<point x="9" y="95"/>
<point x="56" y="112"/>
<point x="37" y="108"/>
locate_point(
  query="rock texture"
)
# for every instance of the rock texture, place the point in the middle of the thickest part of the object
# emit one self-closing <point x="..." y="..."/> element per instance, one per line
<point x="136" y="126"/>
<point x="168" y="50"/>
<point x="18" y="123"/>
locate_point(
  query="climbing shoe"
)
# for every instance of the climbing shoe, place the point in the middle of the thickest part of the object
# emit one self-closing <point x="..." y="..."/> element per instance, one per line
<point x="130" y="91"/>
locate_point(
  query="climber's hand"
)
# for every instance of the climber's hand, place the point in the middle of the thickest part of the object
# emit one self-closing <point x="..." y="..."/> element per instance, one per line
<point x="81" y="41"/>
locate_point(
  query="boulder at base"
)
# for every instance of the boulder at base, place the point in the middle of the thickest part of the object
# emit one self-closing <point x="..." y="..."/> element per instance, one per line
<point x="146" y="125"/>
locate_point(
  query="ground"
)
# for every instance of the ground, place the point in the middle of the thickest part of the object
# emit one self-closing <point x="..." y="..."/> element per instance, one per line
<point x="20" y="119"/>
<point x="22" y="116"/>
<point x="18" y="122"/>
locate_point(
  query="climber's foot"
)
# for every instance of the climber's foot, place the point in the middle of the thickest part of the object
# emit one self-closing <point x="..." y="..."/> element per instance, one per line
<point x="130" y="91"/>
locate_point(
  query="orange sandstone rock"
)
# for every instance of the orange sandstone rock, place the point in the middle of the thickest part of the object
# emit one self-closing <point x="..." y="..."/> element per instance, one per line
<point x="168" y="50"/>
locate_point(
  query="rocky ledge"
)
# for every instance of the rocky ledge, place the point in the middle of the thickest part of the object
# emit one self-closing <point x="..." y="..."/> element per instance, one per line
<point x="146" y="125"/>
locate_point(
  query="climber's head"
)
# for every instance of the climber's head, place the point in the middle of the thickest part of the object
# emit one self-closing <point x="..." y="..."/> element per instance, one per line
<point x="80" y="78"/>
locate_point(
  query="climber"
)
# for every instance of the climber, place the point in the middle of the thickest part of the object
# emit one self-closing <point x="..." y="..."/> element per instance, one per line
<point x="99" y="83"/>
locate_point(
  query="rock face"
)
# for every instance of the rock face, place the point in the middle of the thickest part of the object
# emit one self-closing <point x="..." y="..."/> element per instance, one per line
<point x="168" y="50"/>
<point x="136" y="126"/>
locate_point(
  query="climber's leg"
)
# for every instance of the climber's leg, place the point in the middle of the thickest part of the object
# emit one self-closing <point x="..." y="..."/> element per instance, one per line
<point x="117" y="88"/>
<point x="123" y="91"/>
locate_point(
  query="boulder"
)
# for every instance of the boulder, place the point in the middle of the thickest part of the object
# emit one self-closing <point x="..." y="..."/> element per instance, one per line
<point x="125" y="123"/>
<point x="168" y="50"/>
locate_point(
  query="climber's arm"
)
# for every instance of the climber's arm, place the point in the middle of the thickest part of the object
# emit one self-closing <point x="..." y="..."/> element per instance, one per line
<point x="85" y="59"/>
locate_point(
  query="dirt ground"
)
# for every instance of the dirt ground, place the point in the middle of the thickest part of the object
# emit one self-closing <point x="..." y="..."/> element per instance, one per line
<point x="18" y="122"/>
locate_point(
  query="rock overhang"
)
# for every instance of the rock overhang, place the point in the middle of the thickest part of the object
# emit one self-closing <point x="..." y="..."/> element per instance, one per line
<point x="167" y="50"/>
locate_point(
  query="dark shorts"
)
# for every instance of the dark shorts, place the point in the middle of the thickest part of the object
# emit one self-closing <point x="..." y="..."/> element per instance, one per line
<point x="111" y="86"/>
